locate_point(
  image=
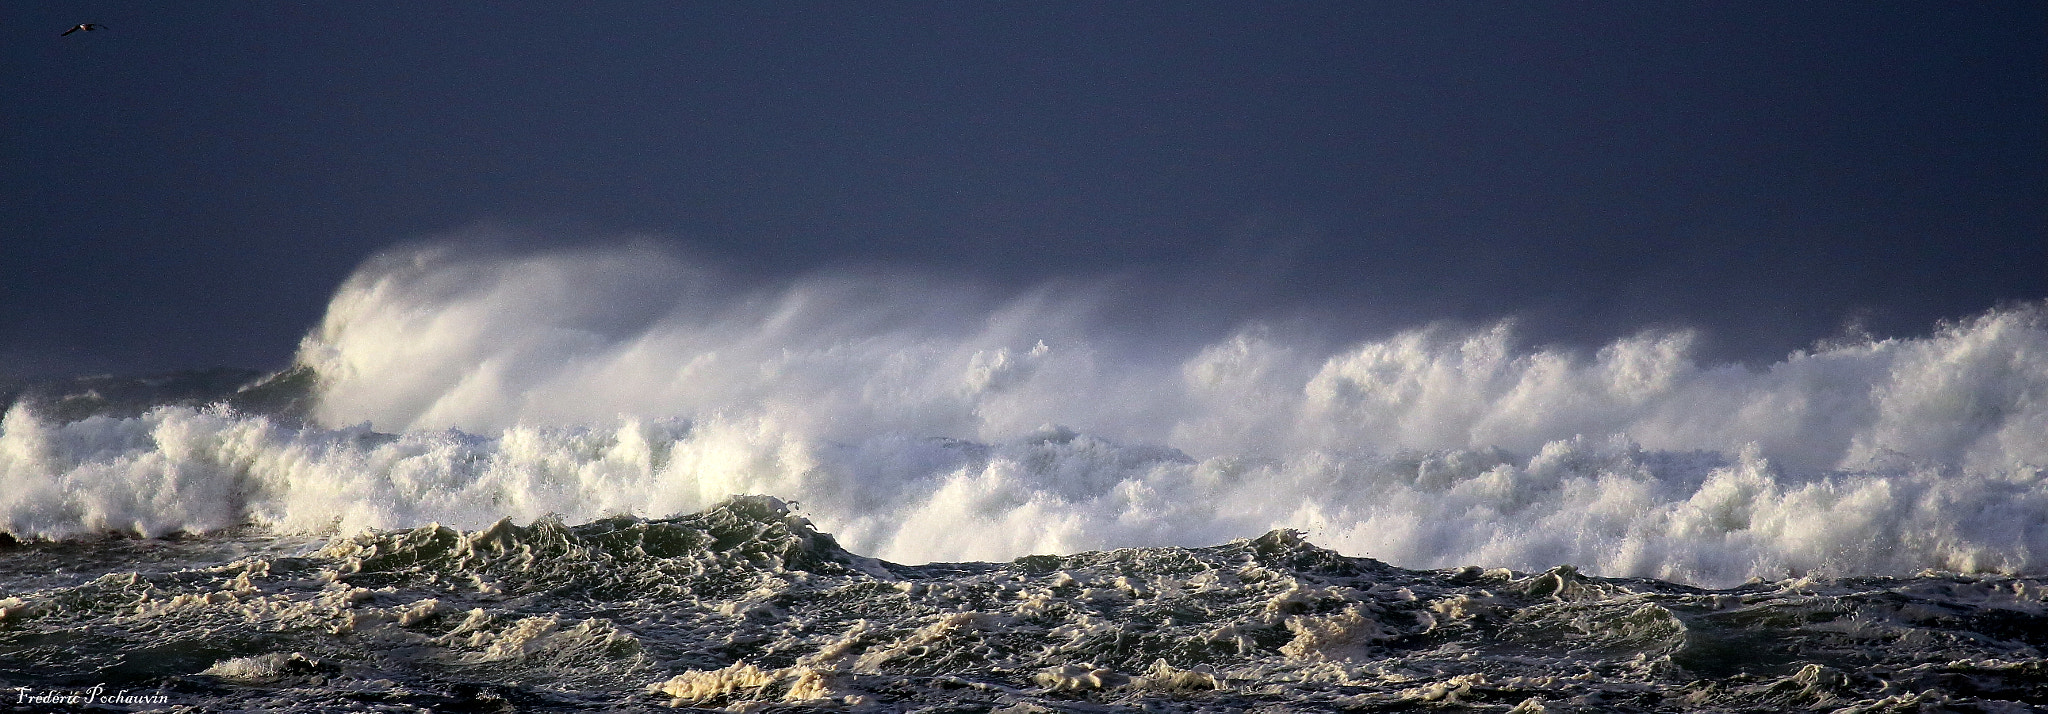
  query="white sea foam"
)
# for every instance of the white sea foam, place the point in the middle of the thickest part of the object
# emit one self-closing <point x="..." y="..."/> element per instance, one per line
<point x="932" y="423"/>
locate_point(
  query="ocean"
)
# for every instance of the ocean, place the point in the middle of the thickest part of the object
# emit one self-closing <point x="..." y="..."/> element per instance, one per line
<point x="608" y="479"/>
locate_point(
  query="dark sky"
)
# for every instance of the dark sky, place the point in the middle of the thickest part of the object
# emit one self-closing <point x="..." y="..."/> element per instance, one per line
<point x="189" y="185"/>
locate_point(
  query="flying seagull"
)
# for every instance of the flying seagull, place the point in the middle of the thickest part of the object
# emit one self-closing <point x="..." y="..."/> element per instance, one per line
<point x="88" y="27"/>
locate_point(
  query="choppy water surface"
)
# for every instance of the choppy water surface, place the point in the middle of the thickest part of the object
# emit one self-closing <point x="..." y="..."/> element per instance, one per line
<point x="744" y="606"/>
<point x="500" y="482"/>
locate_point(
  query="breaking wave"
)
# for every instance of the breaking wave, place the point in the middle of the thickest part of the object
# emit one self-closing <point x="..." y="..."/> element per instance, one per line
<point x="924" y="421"/>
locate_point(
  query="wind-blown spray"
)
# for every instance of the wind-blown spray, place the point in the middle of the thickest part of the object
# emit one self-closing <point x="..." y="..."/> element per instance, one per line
<point x="938" y="423"/>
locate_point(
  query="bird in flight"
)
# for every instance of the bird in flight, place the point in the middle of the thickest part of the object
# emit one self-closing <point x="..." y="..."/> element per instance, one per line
<point x="88" y="27"/>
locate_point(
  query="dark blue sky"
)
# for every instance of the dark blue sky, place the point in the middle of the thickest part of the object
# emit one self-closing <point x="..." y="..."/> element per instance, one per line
<point x="187" y="187"/>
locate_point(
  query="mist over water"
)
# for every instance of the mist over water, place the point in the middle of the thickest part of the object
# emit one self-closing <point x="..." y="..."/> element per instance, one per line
<point x="923" y="419"/>
<point x="434" y="339"/>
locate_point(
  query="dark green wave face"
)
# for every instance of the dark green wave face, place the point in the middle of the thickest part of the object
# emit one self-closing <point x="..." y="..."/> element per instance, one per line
<point x="746" y="606"/>
<point x="284" y="394"/>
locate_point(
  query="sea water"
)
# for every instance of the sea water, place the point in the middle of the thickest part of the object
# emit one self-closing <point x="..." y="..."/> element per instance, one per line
<point x="605" y="479"/>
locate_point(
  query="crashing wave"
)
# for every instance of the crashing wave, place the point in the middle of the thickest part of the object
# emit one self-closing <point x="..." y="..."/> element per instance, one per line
<point x="923" y="423"/>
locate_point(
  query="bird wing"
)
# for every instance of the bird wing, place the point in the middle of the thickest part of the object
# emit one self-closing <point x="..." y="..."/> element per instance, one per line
<point x="67" y="32"/>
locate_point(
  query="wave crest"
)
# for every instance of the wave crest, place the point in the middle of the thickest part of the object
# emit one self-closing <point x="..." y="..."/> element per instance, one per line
<point x="928" y="423"/>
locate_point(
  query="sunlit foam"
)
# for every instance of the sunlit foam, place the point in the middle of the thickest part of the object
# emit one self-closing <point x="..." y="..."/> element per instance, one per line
<point x="937" y="423"/>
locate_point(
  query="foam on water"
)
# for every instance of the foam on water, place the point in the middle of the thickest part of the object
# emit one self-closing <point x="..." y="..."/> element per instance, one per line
<point x="922" y="423"/>
<point x="746" y="607"/>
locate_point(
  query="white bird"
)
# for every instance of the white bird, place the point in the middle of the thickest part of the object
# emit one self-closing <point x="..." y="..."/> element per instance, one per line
<point x="88" y="27"/>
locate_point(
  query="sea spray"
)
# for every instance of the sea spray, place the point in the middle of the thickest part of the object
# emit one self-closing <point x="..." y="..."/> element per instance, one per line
<point x="933" y="423"/>
<point x="1608" y="505"/>
<point x="439" y="339"/>
<point x="506" y="480"/>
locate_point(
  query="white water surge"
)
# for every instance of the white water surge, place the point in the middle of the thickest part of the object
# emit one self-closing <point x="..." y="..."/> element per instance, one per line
<point x="924" y="422"/>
